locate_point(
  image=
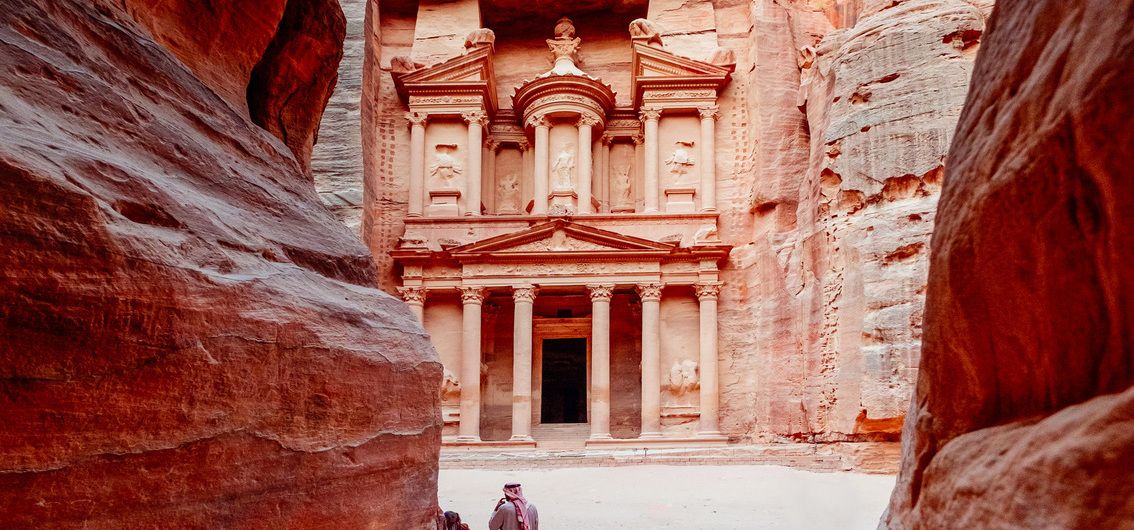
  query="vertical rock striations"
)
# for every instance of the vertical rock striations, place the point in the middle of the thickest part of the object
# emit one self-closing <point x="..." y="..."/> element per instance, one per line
<point x="190" y="340"/>
<point x="1023" y="411"/>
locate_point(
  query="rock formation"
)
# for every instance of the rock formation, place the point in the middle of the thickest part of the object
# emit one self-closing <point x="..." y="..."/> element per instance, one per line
<point x="189" y="339"/>
<point x="1023" y="412"/>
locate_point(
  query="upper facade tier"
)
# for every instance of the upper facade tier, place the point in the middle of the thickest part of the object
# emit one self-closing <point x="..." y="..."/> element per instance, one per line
<point x="563" y="148"/>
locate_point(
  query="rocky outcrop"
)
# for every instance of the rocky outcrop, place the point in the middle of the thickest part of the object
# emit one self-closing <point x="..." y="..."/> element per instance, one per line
<point x="189" y="339"/>
<point x="1023" y="411"/>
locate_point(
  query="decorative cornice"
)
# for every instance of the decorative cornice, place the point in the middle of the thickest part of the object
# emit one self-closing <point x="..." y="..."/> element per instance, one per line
<point x="524" y="293"/>
<point x="707" y="291"/>
<point x="601" y="293"/>
<point x="472" y="294"/>
<point x="709" y="112"/>
<point x="412" y="295"/>
<point x="650" y="292"/>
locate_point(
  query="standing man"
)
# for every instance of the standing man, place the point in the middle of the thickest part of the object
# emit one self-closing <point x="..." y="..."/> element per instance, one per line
<point x="513" y="512"/>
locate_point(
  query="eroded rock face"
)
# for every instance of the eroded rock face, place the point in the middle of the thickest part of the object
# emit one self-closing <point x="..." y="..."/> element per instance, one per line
<point x="1022" y="414"/>
<point x="190" y="340"/>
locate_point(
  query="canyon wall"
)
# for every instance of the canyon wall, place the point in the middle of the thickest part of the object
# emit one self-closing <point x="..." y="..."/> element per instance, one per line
<point x="190" y="340"/>
<point x="1023" y="412"/>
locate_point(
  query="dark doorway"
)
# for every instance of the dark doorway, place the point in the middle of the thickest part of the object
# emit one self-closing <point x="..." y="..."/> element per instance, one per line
<point x="564" y="397"/>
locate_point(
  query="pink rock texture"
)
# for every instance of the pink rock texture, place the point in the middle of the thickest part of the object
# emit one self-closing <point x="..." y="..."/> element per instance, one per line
<point x="190" y="340"/>
<point x="1023" y="411"/>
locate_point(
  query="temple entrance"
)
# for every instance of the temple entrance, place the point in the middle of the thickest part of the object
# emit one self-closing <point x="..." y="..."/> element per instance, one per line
<point x="564" y="381"/>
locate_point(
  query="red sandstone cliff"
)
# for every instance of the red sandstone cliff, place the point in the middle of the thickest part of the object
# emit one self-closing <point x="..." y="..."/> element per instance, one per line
<point x="190" y="340"/>
<point x="1024" y="412"/>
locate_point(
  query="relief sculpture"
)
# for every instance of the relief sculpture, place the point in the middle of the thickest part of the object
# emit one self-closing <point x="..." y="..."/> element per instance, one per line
<point x="445" y="168"/>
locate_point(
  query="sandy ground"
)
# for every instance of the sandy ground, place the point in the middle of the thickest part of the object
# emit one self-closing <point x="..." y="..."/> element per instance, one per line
<point x="675" y="497"/>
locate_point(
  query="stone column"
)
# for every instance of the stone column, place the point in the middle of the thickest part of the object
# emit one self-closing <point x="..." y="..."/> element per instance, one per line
<point x="650" y="117"/>
<point x="415" y="299"/>
<point x="584" y="125"/>
<point x="650" y="293"/>
<point x="489" y="177"/>
<point x="524" y="298"/>
<point x="542" y="151"/>
<point x="604" y="170"/>
<point x="709" y="117"/>
<point x="476" y="121"/>
<point x="417" y="163"/>
<point x="600" y="360"/>
<point x="469" y="430"/>
<point x="710" y="397"/>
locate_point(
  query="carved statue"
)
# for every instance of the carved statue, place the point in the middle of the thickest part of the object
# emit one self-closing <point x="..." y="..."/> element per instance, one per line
<point x="684" y="378"/>
<point x="622" y="190"/>
<point x="450" y="386"/>
<point x="479" y="37"/>
<point x="564" y="168"/>
<point x="445" y="167"/>
<point x="680" y="162"/>
<point x="510" y="192"/>
<point x="564" y="29"/>
<point x="643" y="29"/>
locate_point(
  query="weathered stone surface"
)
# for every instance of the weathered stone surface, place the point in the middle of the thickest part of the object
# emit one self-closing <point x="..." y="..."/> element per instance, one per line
<point x="1029" y="307"/>
<point x="189" y="339"/>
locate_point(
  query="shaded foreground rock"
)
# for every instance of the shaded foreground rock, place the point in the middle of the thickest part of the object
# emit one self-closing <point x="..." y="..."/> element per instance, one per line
<point x="1031" y="296"/>
<point x="190" y="340"/>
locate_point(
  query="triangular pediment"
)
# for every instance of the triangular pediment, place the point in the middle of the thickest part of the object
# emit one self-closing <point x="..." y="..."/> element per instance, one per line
<point x="558" y="237"/>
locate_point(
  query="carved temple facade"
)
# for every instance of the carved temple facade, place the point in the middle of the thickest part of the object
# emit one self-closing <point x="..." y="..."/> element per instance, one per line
<point x="561" y="250"/>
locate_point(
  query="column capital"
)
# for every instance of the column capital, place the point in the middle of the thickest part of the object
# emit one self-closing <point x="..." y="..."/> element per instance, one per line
<point x="538" y="120"/>
<point x="524" y="293"/>
<point x="601" y="292"/>
<point x="472" y="294"/>
<point x="709" y="112"/>
<point x="412" y="295"/>
<point x="475" y="116"/>
<point x="649" y="113"/>
<point x="417" y="118"/>
<point x="588" y="120"/>
<point x="650" y="292"/>
<point x="707" y="291"/>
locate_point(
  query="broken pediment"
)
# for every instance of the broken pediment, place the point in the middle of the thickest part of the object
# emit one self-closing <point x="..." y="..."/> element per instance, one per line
<point x="655" y="68"/>
<point x="470" y="73"/>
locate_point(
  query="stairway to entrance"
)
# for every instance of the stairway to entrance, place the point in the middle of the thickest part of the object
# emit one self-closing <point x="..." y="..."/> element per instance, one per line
<point x="561" y="436"/>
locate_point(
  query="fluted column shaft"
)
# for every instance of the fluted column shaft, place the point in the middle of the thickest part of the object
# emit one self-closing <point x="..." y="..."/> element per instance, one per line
<point x="542" y="152"/>
<point x="708" y="158"/>
<point x="650" y="118"/>
<point x="710" y="396"/>
<point x="471" y="299"/>
<point x="524" y="298"/>
<point x="650" y="294"/>
<point x="417" y="163"/>
<point x="600" y="360"/>
<point x="476" y="121"/>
